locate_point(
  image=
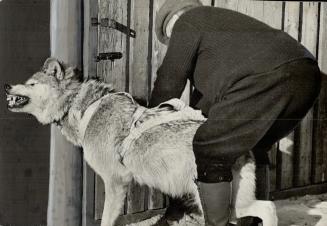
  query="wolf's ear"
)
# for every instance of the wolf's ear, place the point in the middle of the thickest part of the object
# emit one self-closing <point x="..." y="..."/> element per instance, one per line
<point x="53" y="67"/>
<point x="73" y="73"/>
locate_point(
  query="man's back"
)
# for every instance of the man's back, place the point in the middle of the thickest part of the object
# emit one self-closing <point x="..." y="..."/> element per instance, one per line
<point x="231" y="46"/>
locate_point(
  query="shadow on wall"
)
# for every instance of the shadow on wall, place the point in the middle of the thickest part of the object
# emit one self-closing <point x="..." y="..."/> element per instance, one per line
<point x="24" y="143"/>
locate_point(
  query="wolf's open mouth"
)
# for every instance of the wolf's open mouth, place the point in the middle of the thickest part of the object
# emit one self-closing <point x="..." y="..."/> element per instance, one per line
<point x="16" y="101"/>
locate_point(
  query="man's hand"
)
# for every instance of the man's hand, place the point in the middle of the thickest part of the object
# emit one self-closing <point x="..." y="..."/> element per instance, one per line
<point x="141" y="101"/>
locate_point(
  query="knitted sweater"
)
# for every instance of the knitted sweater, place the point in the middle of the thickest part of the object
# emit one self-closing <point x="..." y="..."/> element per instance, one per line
<point x="215" y="48"/>
<point x="219" y="50"/>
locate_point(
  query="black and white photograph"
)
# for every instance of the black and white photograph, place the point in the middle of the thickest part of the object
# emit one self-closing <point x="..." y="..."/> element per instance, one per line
<point x="163" y="113"/>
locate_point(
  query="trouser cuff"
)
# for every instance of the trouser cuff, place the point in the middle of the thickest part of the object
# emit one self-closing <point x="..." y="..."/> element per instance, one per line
<point x="214" y="173"/>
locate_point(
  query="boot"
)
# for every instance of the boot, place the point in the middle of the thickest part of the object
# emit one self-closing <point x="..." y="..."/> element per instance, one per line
<point x="215" y="199"/>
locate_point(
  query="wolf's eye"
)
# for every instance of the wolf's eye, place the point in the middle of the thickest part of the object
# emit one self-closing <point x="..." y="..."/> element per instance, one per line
<point x="32" y="84"/>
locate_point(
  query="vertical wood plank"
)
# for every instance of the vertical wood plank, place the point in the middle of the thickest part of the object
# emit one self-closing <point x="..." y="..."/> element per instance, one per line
<point x="88" y="212"/>
<point x="272" y="15"/>
<point x="135" y="198"/>
<point x="90" y="45"/>
<point x="139" y="48"/>
<point x="206" y="2"/>
<point x="227" y="4"/>
<point x="305" y="130"/>
<point x="90" y="51"/>
<point x="158" y="49"/>
<point x="323" y="65"/>
<point x="273" y="165"/>
<point x="111" y="40"/>
<point x="320" y="144"/>
<point x="99" y="196"/>
<point x="285" y="162"/>
<point x="139" y="78"/>
<point x="266" y="11"/>
<point x="251" y="8"/>
<point x="285" y="152"/>
<point x="156" y="199"/>
<point x="291" y="23"/>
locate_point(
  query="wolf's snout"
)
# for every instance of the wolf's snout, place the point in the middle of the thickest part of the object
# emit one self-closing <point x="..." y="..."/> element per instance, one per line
<point x="7" y="87"/>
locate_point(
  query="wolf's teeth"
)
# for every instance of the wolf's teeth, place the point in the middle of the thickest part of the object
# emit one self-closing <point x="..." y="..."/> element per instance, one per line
<point x="9" y="97"/>
<point x="12" y="99"/>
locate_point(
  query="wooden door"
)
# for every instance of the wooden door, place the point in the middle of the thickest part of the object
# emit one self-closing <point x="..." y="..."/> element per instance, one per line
<point x="132" y="73"/>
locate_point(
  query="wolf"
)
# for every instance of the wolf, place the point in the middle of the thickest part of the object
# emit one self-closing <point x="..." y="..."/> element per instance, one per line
<point x="123" y="141"/>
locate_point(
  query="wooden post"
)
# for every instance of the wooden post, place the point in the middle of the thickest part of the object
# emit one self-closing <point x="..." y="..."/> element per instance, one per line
<point x="65" y="189"/>
<point x="320" y="133"/>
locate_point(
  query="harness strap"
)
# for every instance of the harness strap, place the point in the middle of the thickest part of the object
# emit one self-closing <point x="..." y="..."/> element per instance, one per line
<point x="136" y="116"/>
<point x="125" y="94"/>
<point x="93" y="108"/>
<point x="183" y="113"/>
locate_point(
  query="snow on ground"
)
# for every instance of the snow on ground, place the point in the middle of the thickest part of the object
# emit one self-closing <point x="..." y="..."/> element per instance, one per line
<point x="310" y="210"/>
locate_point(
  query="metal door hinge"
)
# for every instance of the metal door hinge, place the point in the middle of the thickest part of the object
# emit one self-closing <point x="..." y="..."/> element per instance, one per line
<point x="109" y="56"/>
<point x="110" y="23"/>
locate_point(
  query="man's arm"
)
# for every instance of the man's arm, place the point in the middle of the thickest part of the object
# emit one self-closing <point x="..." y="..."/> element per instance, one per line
<point x="177" y="65"/>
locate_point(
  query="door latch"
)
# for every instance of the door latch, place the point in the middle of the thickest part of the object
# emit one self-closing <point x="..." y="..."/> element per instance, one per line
<point x="111" y="23"/>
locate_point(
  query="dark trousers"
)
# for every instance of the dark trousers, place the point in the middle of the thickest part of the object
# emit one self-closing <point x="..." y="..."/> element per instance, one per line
<point x="253" y="114"/>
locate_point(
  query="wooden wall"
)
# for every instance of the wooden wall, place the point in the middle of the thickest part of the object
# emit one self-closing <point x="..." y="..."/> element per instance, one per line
<point x="298" y="161"/>
<point x="24" y="143"/>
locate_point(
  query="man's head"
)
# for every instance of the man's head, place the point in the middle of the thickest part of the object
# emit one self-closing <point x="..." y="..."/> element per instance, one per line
<point x="167" y="12"/>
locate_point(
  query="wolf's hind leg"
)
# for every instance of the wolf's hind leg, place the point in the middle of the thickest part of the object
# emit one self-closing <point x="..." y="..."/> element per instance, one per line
<point x="244" y="201"/>
<point x="185" y="209"/>
<point x="243" y="184"/>
<point x="244" y="181"/>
